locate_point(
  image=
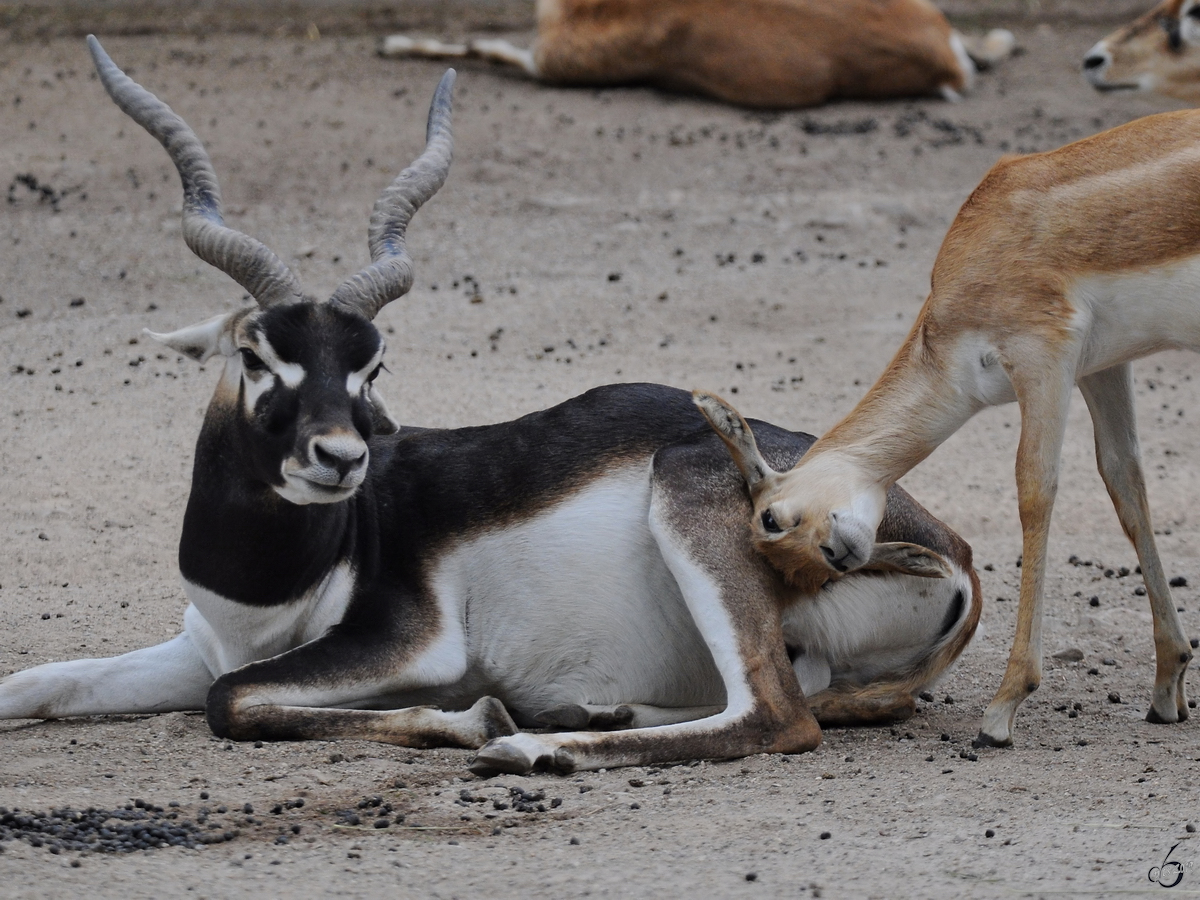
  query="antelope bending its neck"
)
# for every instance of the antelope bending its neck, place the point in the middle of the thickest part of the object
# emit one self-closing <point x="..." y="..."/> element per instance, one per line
<point x="1059" y="269"/>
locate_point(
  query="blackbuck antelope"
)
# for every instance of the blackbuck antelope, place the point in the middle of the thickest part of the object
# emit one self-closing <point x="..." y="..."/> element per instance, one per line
<point x="1060" y="269"/>
<point x="587" y="566"/>
<point x="1160" y="52"/>
<point x="764" y="53"/>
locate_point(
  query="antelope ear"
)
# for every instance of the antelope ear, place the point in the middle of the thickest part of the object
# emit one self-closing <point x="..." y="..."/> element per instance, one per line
<point x="731" y="428"/>
<point x="200" y="341"/>
<point x="908" y="559"/>
<point x="381" y="420"/>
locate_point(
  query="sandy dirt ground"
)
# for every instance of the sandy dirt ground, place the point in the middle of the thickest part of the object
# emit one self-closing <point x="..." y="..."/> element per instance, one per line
<point x="583" y="237"/>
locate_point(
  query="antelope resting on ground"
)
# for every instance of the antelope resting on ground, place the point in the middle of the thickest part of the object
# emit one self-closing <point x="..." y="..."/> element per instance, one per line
<point x="1060" y="269"/>
<point x="765" y="53"/>
<point x="583" y="566"/>
<point x="1160" y="52"/>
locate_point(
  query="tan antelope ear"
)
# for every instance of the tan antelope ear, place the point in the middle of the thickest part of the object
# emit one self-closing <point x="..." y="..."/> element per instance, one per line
<point x="731" y="428"/>
<point x="200" y="341"/>
<point x="908" y="559"/>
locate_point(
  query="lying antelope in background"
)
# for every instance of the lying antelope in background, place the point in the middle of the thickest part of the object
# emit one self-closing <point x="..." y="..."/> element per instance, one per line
<point x="1159" y="53"/>
<point x="583" y="566"/>
<point x="767" y="53"/>
<point x="1060" y="268"/>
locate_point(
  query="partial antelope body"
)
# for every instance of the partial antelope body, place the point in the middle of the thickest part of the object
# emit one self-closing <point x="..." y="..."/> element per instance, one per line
<point x="765" y="53"/>
<point x="1159" y="53"/>
<point x="1060" y="268"/>
<point x="583" y="566"/>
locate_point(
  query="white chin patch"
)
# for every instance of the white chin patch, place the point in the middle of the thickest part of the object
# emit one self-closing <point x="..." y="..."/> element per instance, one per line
<point x="302" y="492"/>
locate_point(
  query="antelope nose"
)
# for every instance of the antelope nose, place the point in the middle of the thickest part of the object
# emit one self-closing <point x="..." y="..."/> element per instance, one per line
<point x="1094" y="61"/>
<point x="341" y="453"/>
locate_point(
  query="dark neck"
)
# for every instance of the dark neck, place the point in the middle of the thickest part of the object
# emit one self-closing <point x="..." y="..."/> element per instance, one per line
<point x="243" y="541"/>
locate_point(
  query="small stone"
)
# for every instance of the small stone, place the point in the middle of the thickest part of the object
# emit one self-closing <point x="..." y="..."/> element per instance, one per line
<point x="248" y="809"/>
<point x="945" y="737"/>
<point x="1108" y="661"/>
<point x="1189" y="828"/>
<point x="1114" y="697"/>
<point x="1094" y="601"/>
<point x="927" y="696"/>
<point x="1071" y="654"/>
<point x="1139" y="591"/>
<point x="825" y="835"/>
<point x="1093" y="671"/>
<point x="947" y="699"/>
<point x="383" y="822"/>
<point x="989" y="833"/>
<point x="574" y="841"/>
<point x="1178" y="581"/>
<point x="752" y="876"/>
<point x="635" y="806"/>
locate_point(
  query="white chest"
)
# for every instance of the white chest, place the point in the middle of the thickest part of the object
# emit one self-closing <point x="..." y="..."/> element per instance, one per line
<point x="230" y="634"/>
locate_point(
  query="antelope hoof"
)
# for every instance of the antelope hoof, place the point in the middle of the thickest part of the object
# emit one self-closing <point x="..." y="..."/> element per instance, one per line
<point x="520" y="754"/>
<point x="1154" y="718"/>
<point x="494" y="718"/>
<point x="983" y="739"/>
<point x="568" y="717"/>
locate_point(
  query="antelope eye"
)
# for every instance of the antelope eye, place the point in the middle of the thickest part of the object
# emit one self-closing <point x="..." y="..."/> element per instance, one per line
<point x="375" y="373"/>
<point x="769" y="523"/>
<point x="1194" y="12"/>
<point x="252" y="361"/>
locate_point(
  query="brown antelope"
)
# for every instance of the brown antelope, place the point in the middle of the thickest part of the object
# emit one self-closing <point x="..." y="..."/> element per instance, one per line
<point x="1060" y="268"/>
<point x="583" y="566"/>
<point x="1159" y="53"/>
<point x="765" y="53"/>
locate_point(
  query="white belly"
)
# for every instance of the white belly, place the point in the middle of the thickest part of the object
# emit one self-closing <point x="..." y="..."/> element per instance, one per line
<point x="577" y="606"/>
<point x="1127" y="316"/>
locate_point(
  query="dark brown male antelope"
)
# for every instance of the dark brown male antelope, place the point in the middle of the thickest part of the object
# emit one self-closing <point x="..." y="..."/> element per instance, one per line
<point x="583" y="566"/>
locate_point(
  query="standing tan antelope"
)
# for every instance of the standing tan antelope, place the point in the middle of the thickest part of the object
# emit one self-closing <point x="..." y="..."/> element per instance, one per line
<point x="1158" y="53"/>
<point x="583" y="566"/>
<point x="1060" y="268"/>
<point x="766" y="53"/>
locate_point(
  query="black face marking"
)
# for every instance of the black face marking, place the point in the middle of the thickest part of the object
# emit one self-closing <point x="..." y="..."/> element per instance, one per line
<point x="252" y="361"/>
<point x="1174" y="36"/>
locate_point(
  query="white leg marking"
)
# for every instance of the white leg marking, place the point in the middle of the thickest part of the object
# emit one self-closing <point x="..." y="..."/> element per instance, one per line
<point x="165" y="677"/>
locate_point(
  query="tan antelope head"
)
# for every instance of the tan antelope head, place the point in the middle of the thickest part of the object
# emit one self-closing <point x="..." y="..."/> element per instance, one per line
<point x="1158" y="53"/>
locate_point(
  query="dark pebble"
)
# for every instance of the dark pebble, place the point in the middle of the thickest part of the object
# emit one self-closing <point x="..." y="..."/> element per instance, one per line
<point x="248" y="809"/>
<point x="1178" y="581"/>
<point x="635" y="806"/>
<point x="825" y="835"/>
<point x="1094" y="601"/>
<point x="1093" y="671"/>
<point x="989" y="833"/>
<point x="1114" y="697"/>
<point x="945" y="737"/>
<point x="574" y="841"/>
<point x="947" y="699"/>
<point x="383" y="823"/>
<point x="752" y="876"/>
<point x="1190" y="828"/>
<point x="927" y="696"/>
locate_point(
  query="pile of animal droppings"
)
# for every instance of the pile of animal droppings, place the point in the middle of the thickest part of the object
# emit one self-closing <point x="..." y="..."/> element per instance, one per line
<point x="139" y="826"/>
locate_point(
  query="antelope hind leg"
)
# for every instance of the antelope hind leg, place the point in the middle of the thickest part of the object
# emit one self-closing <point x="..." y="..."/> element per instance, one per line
<point x="876" y="704"/>
<point x="733" y="597"/>
<point x="586" y="717"/>
<point x="1109" y="396"/>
